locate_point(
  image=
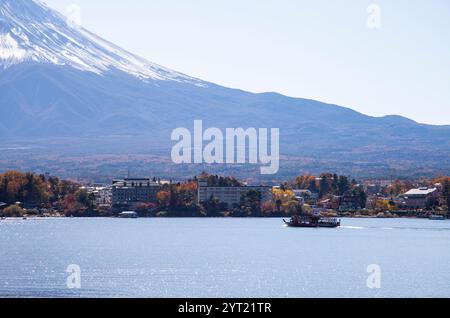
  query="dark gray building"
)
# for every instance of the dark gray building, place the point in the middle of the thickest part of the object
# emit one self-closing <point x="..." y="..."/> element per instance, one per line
<point x="134" y="190"/>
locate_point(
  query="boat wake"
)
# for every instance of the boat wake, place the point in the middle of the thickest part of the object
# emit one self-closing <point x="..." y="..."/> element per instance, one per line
<point x="354" y="227"/>
<point x="395" y="228"/>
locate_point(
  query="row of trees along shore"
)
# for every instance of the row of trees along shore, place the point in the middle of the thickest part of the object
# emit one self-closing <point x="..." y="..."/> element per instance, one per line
<point x="46" y="196"/>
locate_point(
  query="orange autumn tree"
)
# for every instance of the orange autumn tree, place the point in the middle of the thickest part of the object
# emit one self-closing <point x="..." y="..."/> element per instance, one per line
<point x="13" y="211"/>
<point x="442" y="180"/>
<point x="12" y="184"/>
<point x="163" y="198"/>
<point x="184" y="194"/>
<point x="267" y="208"/>
<point x="24" y="187"/>
<point x="305" y="181"/>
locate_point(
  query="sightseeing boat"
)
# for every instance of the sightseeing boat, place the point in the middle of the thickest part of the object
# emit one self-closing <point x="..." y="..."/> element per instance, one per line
<point x="312" y="221"/>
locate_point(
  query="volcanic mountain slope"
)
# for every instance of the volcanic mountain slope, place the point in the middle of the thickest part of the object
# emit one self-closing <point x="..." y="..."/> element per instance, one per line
<point x="61" y="81"/>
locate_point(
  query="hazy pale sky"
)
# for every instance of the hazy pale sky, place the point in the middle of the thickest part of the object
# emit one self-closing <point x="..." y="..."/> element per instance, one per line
<point x="318" y="49"/>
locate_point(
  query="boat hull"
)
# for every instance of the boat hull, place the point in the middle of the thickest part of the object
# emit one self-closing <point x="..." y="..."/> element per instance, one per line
<point x="437" y="218"/>
<point x="290" y="224"/>
<point x="330" y="225"/>
<point x="313" y="225"/>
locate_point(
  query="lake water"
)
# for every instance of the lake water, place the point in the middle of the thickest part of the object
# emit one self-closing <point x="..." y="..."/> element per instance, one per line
<point x="223" y="258"/>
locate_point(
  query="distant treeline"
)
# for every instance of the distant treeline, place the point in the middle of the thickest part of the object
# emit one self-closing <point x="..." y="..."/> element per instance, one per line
<point x="47" y="195"/>
<point x="328" y="183"/>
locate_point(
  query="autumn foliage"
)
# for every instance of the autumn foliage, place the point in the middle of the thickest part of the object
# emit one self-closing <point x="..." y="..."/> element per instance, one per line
<point x="42" y="192"/>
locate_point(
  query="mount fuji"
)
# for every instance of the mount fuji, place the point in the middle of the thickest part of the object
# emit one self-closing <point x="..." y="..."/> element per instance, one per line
<point x="66" y="92"/>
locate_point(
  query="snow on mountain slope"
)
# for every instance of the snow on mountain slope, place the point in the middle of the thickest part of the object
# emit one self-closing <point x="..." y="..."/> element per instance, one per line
<point x="30" y="31"/>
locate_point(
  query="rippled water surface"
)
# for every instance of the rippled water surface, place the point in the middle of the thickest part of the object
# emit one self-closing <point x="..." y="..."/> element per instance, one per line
<point x="223" y="258"/>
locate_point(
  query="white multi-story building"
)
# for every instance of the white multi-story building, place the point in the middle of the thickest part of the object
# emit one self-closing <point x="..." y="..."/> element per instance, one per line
<point x="103" y="195"/>
<point x="230" y="195"/>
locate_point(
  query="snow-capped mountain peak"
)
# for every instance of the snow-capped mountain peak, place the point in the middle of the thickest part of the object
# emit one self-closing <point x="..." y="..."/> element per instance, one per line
<point x="30" y="31"/>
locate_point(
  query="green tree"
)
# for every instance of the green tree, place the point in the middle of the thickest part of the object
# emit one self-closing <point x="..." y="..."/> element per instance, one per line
<point x="324" y="185"/>
<point x="446" y="193"/>
<point x="363" y="198"/>
<point x="343" y="185"/>
<point x="251" y="202"/>
<point x="82" y="197"/>
<point x="213" y="207"/>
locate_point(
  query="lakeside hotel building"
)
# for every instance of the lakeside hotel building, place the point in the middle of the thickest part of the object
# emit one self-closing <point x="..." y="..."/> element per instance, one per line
<point x="230" y="195"/>
<point x="132" y="190"/>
